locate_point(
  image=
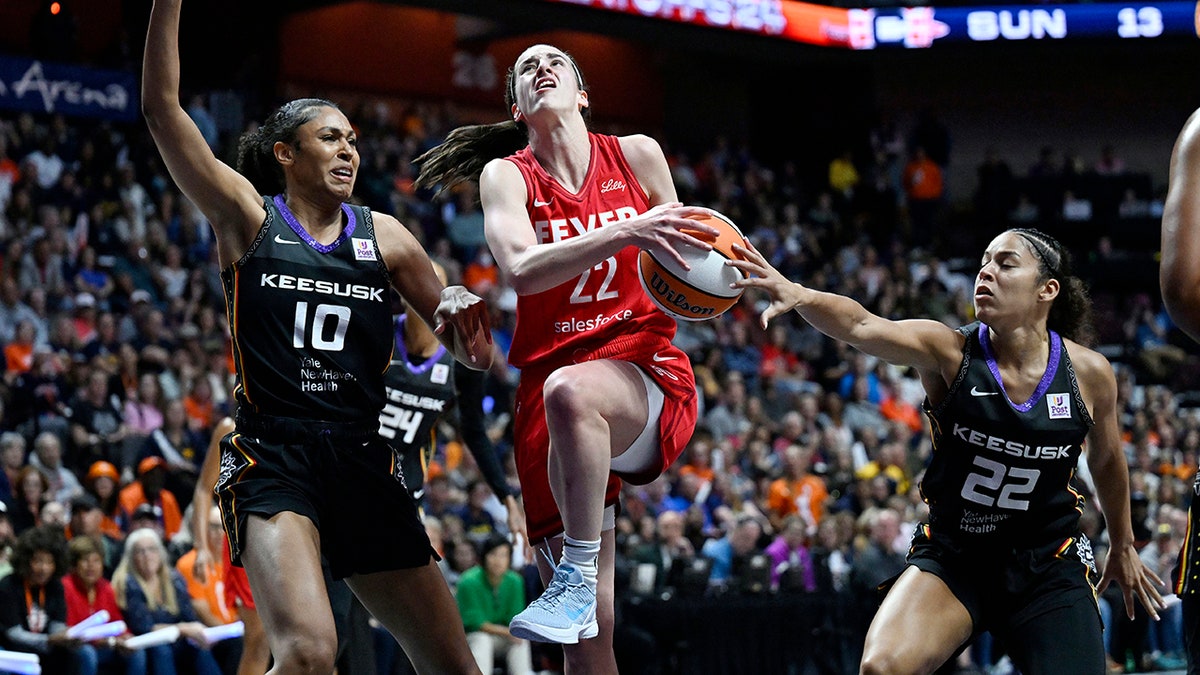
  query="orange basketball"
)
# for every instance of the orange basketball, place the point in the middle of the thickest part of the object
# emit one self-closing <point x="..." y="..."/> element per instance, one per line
<point x="702" y="292"/>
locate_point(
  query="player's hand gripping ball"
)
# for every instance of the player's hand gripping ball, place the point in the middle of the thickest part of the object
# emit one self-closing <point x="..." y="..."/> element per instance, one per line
<point x="702" y="292"/>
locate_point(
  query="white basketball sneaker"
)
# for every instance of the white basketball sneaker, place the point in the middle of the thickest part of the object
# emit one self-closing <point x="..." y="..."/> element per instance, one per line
<point x="565" y="613"/>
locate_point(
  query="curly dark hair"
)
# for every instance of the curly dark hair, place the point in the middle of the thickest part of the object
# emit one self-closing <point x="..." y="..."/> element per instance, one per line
<point x="1071" y="312"/>
<point x="256" y="149"/>
<point x="42" y="538"/>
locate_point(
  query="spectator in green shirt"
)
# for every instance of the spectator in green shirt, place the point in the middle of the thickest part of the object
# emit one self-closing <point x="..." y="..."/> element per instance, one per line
<point x="489" y="595"/>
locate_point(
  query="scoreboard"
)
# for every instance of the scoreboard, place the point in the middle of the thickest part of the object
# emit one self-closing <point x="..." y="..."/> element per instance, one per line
<point x="918" y="27"/>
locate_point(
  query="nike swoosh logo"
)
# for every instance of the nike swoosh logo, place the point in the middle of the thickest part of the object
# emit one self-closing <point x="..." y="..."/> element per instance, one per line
<point x="975" y="392"/>
<point x="281" y="240"/>
<point x="537" y="203"/>
<point x="660" y="359"/>
<point x="575" y="613"/>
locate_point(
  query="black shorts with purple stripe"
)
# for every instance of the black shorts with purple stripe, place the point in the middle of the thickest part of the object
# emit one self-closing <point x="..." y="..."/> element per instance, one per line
<point x="341" y="476"/>
<point x="1034" y="600"/>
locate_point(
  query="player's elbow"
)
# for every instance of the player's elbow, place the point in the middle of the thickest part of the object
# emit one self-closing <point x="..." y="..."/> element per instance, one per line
<point x="524" y="282"/>
<point x="1181" y="299"/>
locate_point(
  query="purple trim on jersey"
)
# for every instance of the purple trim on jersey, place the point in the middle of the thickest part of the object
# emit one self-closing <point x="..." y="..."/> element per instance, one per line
<point x="1047" y="377"/>
<point x="290" y="218"/>
<point x="400" y="347"/>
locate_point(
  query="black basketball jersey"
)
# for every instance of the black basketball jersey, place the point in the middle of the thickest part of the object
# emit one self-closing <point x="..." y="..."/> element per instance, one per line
<point x="1001" y="469"/>
<point x="417" y="394"/>
<point x="311" y="323"/>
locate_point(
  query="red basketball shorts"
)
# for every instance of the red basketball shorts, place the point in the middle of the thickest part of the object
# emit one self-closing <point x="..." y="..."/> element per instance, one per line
<point x="665" y="364"/>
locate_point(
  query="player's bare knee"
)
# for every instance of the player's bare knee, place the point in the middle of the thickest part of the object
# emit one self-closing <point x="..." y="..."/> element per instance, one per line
<point x="566" y="393"/>
<point x="307" y="654"/>
<point x="884" y="663"/>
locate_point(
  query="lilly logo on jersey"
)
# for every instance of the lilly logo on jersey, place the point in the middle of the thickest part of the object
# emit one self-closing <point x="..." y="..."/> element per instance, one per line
<point x="1059" y="406"/>
<point x="324" y="286"/>
<point x="1014" y="448"/>
<point x="611" y="184"/>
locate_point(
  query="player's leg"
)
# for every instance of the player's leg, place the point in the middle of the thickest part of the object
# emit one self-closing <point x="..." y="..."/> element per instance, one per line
<point x="283" y="563"/>
<point x="256" y="653"/>
<point x="594" y="411"/>
<point x="1037" y="645"/>
<point x="592" y="654"/>
<point x="416" y="607"/>
<point x="919" y="625"/>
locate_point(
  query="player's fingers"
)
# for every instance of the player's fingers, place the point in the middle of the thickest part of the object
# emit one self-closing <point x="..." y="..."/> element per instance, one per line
<point x="691" y="239"/>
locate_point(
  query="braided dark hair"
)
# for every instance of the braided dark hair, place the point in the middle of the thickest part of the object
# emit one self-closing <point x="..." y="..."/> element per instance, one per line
<point x="256" y="149"/>
<point x="467" y="149"/>
<point x="1071" y="312"/>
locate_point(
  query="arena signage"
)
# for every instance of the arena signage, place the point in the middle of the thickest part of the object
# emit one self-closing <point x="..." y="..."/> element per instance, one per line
<point x="46" y="87"/>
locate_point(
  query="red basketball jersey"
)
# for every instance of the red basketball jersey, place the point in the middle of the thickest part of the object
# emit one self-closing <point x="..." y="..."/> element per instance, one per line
<point x="607" y="300"/>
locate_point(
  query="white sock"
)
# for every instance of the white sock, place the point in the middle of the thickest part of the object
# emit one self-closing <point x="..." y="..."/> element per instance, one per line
<point x="583" y="555"/>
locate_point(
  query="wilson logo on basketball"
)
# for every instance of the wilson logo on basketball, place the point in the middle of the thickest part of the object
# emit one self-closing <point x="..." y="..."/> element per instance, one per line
<point x="674" y="299"/>
<point x="704" y="288"/>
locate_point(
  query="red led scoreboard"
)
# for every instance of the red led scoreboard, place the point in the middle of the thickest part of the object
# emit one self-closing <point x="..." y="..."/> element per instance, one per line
<point x="917" y="27"/>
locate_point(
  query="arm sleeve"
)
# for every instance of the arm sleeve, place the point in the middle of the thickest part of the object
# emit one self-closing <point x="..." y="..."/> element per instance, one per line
<point x="27" y="641"/>
<point x="469" y="386"/>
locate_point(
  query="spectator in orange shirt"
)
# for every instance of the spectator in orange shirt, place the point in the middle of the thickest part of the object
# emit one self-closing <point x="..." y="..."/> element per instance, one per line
<point x="897" y="409"/>
<point x="18" y="354"/>
<point x="797" y="491"/>
<point x="148" y="489"/>
<point x="199" y="405"/>
<point x="208" y="593"/>
<point x="481" y="274"/>
<point x="924" y="186"/>
<point x="698" y="459"/>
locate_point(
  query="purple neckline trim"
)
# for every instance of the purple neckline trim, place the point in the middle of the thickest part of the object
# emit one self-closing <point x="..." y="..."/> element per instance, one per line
<point x="415" y="370"/>
<point x="1047" y="377"/>
<point x="290" y="218"/>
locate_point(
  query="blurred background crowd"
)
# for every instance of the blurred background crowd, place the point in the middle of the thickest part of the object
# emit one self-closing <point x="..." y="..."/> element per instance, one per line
<point x="800" y="487"/>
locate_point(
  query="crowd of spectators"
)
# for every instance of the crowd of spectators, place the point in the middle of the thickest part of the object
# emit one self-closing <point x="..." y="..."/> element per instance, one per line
<point x="801" y="478"/>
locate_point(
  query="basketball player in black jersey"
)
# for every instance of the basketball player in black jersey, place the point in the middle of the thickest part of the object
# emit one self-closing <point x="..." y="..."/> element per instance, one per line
<point x="423" y="384"/>
<point x="307" y="278"/>
<point x="1011" y="399"/>
<point x="1180" y="281"/>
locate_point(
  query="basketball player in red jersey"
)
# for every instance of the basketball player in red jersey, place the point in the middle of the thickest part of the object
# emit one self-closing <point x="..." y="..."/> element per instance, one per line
<point x="603" y="393"/>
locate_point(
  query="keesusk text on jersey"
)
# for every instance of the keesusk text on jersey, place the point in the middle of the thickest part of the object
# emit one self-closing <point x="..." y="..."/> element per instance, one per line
<point x="322" y="286"/>
<point x="1014" y="448"/>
